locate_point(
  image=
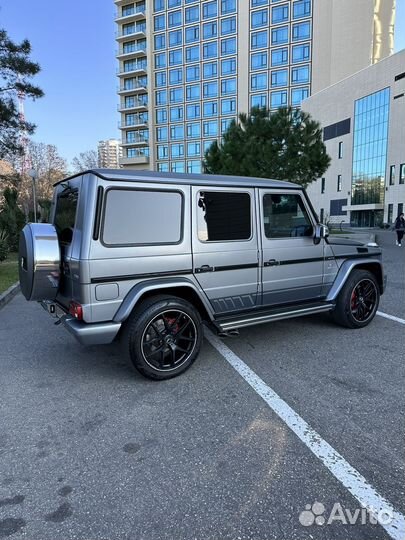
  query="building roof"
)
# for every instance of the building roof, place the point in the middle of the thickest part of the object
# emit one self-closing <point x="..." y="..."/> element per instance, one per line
<point x="185" y="179"/>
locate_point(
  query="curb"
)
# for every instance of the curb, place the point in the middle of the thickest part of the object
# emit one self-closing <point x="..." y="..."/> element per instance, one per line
<point x="9" y="294"/>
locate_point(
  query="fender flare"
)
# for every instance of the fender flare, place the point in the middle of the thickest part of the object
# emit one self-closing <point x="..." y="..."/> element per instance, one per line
<point x="133" y="296"/>
<point x="345" y="271"/>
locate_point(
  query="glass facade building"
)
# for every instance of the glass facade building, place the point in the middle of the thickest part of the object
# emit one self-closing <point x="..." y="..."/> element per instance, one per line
<point x="370" y="143"/>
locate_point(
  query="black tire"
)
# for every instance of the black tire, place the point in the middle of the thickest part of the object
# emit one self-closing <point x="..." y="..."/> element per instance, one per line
<point x="163" y="337"/>
<point x="358" y="300"/>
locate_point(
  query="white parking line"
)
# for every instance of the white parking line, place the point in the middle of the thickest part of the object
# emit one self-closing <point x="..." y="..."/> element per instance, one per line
<point x="352" y="480"/>
<point x="391" y="317"/>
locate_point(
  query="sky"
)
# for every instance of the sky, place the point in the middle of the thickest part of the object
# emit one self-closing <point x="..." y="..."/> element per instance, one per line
<point x="74" y="42"/>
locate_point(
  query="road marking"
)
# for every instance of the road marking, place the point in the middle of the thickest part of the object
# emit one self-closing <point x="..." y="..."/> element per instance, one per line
<point x="391" y="317"/>
<point x="352" y="480"/>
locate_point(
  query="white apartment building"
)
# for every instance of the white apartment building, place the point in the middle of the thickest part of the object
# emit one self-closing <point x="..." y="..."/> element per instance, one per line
<point x="109" y="153"/>
<point x="188" y="67"/>
<point x="363" y="120"/>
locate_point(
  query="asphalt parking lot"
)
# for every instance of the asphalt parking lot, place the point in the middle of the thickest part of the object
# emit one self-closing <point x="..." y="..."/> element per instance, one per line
<point x="91" y="451"/>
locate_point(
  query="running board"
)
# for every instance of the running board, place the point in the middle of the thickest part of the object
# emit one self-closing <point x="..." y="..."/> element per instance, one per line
<point x="231" y="323"/>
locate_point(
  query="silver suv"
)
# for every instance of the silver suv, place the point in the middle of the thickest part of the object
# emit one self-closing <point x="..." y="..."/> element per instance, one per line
<point x="146" y="257"/>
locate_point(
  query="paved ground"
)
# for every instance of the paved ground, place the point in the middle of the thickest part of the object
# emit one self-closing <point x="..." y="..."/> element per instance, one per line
<point x="88" y="450"/>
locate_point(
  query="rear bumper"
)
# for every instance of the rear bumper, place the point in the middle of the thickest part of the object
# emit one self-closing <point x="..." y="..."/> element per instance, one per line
<point x="91" y="334"/>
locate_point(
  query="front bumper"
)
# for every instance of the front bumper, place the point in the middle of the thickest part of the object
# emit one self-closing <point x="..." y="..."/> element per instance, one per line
<point x="91" y="334"/>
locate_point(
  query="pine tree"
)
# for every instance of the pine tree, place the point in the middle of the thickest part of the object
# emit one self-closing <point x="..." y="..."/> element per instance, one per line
<point x="284" y="145"/>
<point x="16" y="69"/>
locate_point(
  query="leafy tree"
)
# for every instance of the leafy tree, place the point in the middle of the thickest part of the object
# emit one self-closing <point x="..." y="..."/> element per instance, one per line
<point x="285" y="145"/>
<point x="12" y="219"/>
<point x="16" y="70"/>
<point x="85" y="161"/>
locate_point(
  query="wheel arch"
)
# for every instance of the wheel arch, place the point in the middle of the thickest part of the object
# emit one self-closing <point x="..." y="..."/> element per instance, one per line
<point x="180" y="287"/>
<point x="373" y="265"/>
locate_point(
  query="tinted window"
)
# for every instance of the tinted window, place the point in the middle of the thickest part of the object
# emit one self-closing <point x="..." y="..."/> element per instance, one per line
<point x="285" y="216"/>
<point x="223" y="216"/>
<point x="142" y="217"/>
<point x="65" y="214"/>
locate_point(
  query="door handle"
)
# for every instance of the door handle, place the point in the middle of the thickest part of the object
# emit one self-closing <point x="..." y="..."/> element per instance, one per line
<point x="272" y="262"/>
<point x="204" y="268"/>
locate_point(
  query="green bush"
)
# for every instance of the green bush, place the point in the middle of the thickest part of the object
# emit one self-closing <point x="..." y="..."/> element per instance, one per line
<point x="12" y="219"/>
<point x="4" y="249"/>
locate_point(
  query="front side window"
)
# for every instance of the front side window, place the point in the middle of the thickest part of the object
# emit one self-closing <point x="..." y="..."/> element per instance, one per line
<point x="223" y="216"/>
<point x="137" y="217"/>
<point x="392" y="175"/>
<point x="285" y="216"/>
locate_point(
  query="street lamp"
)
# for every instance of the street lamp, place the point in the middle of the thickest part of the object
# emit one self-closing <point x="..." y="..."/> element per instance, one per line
<point x="33" y="174"/>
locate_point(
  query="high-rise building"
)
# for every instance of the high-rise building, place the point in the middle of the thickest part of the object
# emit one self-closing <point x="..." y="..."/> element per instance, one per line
<point x="109" y="153"/>
<point x="364" y="133"/>
<point x="187" y="67"/>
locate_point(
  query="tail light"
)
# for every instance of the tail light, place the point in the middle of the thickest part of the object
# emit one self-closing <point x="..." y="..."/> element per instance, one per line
<point x="76" y="310"/>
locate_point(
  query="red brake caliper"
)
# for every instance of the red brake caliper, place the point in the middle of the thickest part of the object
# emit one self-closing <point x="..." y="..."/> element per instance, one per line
<point x="353" y="301"/>
<point x="174" y="328"/>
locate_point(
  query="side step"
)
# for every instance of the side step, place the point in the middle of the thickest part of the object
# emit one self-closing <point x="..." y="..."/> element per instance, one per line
<point x="259" y="317"/>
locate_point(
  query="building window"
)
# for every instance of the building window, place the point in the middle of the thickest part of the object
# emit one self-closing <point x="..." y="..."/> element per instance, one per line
<point x="258" y="100"/>
<point x="300" y="75"/>
<point x="193" y="53"/>
<point x="163" y="167"/>
<point x="301" y="31"/>
<point x="392" y="175"/>
<point x="258" y="82"/>
<point x="279" y="35"/>
<point x="160" y="60"/>
<point x="259" y="60"/>
<point x="323" y="182"/>
<point x="400" y="208"/>
<point x="192" y="33"/>
<point x="279" y="78"/>
<point x="300" y="53"/>
<point x="298" y="95"/>
<point x="228" y="106"/>
<point x="159" y="22"/>
<point x="192" y="14"/>
<point x="210" y="89"/>
<point x="163" y="151"/>
<point x="259" y="39"/>
<point x="160" y="41"/>
<point x="402" y="173"/>
<point x="175" y="57"/>
<point x="279" y="14"/>
<point x="210" y="30"/>
<point x="158" y="5"/>
<point x="193" y="149"/>
<point x="161" y="134"/>
<point x="228" y="6"/>
<point x="210" y="128"/>
<point x="175" y="38"/>
<point x="194" y="130"/>
<point x="160" y="78"/>
<point x="193" y="111"/>
<point x="340" y="150"/>
<point x="210" y="70"/>
<point x="193" y="92"/>
<point x="161" y="97"/>
<point x="210" y="50"/>
<point x="173" y="3"/>
<point x="278" y="99"/>
<point x="301" y="8"/>
<point x="177" y="151"/>
<point x="390" y="217"/>
<point x="228" y="87"/>
<point x="174" y="18"/>
<point x="279" y="57"/>
<point x="194" y="167"/>
<point x="193" y="73"/>
<point x="177" y="166"/>
<point x="210" y="108"/>
<point x="210" y="9"/>
<point x="228" y="26"/>
<point x="176" y="95"/>
<point x="176" y="76"/>
<point x="322" y="215"/>
<point x="259" y="18"/>
<point x="176" y="114"/>
<point x="228" y="67"/>
<point x="225" y="125"/>
<point x="228" y="46"/>
<point x="176" y="132"/>
<point x="161" y="116"/>
<point x="339" y="182"/>
<point x="256" y="3"/>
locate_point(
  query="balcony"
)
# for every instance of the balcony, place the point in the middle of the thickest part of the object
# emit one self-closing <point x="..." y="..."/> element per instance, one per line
<point x="138" y="140"/>
<point x="137" y="105"/>
<point x="140" y="69"/>
<point x="134" y="53"/>
<point x="137" y="32"/>
<point x="132" y="89"/>
<point x="132" y="162"/>
<point x="134" y="15"/>
<point x="137" y="122"/>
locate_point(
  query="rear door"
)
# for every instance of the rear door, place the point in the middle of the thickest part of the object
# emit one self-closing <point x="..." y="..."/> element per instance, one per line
<point x="293" y="265"/>
<point x="225" y="247"/>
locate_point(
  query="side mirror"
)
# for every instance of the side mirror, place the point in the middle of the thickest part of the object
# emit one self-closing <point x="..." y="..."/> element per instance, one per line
<point x="321" y="231"/>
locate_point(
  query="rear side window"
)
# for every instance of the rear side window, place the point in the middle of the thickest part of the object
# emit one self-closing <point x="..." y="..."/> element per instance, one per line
<point x="65" y="214"/>
<point x="223" y="216"/>
<point x="139" y="217"/>
<point x="285" y="216"/>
